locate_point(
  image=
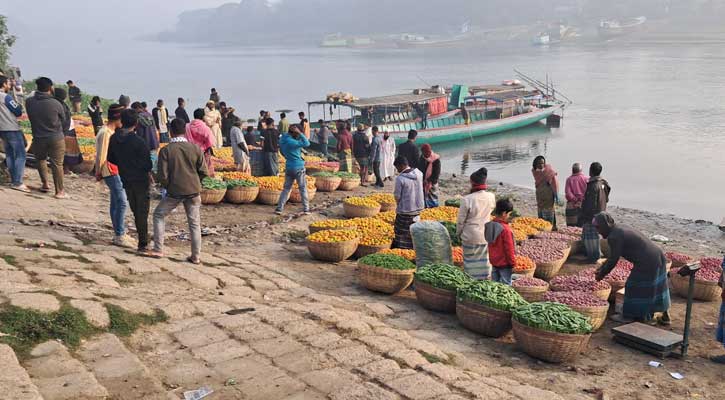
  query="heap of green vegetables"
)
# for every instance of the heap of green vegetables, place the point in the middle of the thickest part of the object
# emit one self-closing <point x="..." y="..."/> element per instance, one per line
<point x="443" y="276"/>
<point x="387" y="261"/>
<point x="553" y="317"/>
<point x="453" y="203"/>
<point x="492" y="294"/>
<point x="326" y="174"/>
<point x="240" y="183"/>
<point x="347" y="175"/>
<point x="213" y="184"/>
<point x="451" y="227"/>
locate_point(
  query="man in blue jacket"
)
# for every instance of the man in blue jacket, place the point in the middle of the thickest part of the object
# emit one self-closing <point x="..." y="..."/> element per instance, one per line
<point x="12" y="136"/>
<point x="291" y="145"/>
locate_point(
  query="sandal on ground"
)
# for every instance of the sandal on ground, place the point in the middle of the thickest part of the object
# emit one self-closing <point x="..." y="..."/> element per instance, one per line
<point x="155" y="254"/>
<point x="44" y="190"/>
<point x="62" y="196"/>
<point x="620" y="318"/>
<point x="20" y="188"/>
<point x="193" y="260"/>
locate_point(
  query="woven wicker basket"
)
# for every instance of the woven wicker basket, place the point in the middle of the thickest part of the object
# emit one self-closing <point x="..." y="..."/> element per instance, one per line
<point x="529" y="272"/>
<point x="212" y="196"/>
<point x="616" y="286"/>
<point x="268" y="197"/>
<point x="532" y="294"/>
<point x="596" y="315"/>
<point x="85" y="167"/>
<point x="704" y="290"/>
<point x="385" y="207"/>
<point x="363" y="250"/>
<point x="549" y="346"/>
<point x="548" y="270"/>
<point x="328" y="184"/>
<point x="333" y="252"/>
<point x="242" y="195"/>
<point x="677" y="264"/>
<point x="353" y="211"/>
<point x="600" y="294"/>
<point x="296" y="197"/>
<point x="435" y="299"/>
<point x="482" y="319"/>
<point x="313" y="229"/>
<point x="384" y="280"/>
<point x="349" y="184"/>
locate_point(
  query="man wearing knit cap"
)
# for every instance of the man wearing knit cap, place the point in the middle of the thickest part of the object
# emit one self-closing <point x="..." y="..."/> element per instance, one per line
<point x="108" y="172"/>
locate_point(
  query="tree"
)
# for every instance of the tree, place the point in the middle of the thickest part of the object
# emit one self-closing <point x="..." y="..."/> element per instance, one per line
<point x="6" y="42"/>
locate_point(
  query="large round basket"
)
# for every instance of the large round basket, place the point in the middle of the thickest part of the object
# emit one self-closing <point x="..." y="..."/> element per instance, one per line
<point x="268" y="197"/>
<point x="314" y="229"/>
<point x="600" y="294"/>
<point x="482" y="319"/>
<point x="596" y="315"/>
<point x="333" y="252"/>
<point x="384" y="280"/>
<point x="385" y="207"/>
<point x="212" y="196"/>
<point x="677" y="264"/>
<point x="242" y="195"/>
<point x="363" y="250"/>
<point x="296" y="197"/>
<point x="435" y="299"/>
<point x="353" y="211"/>
<point x="704" y="290"/>
<point x="549" y="346"/>
<point x="548" y="270"/>
<point x="85" y="167"/>
<point x="349" y="184"/>
<point x="532" y="294"/>
<point x="328" y="183"/>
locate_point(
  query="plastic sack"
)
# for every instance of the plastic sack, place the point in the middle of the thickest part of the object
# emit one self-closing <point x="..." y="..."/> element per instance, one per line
<point x="432" y="243"/>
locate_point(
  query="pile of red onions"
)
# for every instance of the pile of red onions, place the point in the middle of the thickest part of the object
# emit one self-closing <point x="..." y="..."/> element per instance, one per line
<point x="678" y="257"/>
<point x="571" y="231"/>
<point x="556" y="236"/>
<point x="620" y="273"/>
<point x="543" y="250"/>
<point x="710" y="270"/>
<point x="527" y="281"/>
<point x="575" y="298"/>
<point x="582" y="283"/>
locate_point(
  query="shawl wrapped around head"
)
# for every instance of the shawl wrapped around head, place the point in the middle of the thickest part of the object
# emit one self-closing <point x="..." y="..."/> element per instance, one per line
<point x="546" y="175"/>
<point x="198" y="133"/>
<point x="430" y="159"/>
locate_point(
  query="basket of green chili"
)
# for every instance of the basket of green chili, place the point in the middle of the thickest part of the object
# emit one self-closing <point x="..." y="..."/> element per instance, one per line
<point x="241" y="191"/>
<point x="212" y="191"/>
<point x="436" y="286"/>
<point x="385" y="273"/>
<point x="485" y="307"/>
<point x="551" y="332"/>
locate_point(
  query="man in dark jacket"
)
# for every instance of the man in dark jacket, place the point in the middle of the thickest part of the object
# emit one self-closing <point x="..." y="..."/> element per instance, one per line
<point x="146" y="130"/>
<point x="595" y="201"/>
<point x="130" y="153"/>
<point x="270" y="148"/>
<point x="181" y="169"/>
<point x="410" y="150"/>
<point x="214" y="96"/>
<point x="361" y="152"/>
<point x="228" y="119"/>
<point x="47" y="119"/>
<point x="181" y="111"/>
<point x="74" y="94"/>
<point x="161" y="121"/>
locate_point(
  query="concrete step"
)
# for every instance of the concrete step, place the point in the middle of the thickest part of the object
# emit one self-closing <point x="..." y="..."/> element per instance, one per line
<point x="15" y="382"/>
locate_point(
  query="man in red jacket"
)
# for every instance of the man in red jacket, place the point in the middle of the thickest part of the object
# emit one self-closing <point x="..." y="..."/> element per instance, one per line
<point x="501" y="244"/>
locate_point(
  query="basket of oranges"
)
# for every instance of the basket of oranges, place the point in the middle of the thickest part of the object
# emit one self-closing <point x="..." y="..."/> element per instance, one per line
<point x="333" y="245"/>
<point x="386" y="200"/>
<point x="332" y="224"/>
<point x="360" y="207"/>
<point x="270" y="187"/>
<point x="375" y="240"/>
<point x="524" y="266"/>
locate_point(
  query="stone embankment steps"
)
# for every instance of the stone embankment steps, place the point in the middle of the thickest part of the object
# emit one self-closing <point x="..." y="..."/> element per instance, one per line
<point x="296" y="343"/>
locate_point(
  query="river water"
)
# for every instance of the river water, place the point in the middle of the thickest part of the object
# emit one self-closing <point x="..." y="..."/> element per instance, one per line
<point x="652" y="115"/>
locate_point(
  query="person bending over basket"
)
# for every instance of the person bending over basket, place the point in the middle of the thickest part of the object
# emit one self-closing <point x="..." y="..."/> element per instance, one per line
<point x="646" y="289"/>
<point x="409" y="196"/>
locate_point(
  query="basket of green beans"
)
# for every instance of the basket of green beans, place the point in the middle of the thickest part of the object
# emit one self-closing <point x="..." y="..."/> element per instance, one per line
<point x="212" y="191"/>
<point x="551" y="332"/>
<point x="436" y="286"/>
<point x="385" y="273"/>
<point x="485" y="307"/>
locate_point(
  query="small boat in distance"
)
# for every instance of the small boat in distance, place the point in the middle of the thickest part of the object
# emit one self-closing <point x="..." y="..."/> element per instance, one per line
<point x="610" y="29"/>
<point x="408" y="40"/>
<point x="451" y="114"/>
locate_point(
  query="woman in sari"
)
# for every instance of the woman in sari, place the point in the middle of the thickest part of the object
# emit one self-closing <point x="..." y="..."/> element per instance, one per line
<point x="646" y="291"/>
<point x="73" y="154"/>
<point x="547" y="189"/>
<point x="213" y="119"/>
<point x="430" y="165"/>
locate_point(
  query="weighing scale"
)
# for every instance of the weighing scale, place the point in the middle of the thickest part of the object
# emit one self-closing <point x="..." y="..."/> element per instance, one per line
<point x="658" y="341"/>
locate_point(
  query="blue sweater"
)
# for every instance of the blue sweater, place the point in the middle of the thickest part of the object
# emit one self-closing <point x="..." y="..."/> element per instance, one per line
<point x="291" y="149"/>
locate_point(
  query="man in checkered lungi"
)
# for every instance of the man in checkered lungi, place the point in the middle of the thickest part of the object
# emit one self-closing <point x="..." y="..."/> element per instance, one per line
<point x="595" y="201"/>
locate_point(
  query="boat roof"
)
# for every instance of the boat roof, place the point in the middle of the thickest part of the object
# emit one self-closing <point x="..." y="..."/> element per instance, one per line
<point x="392" y="100"/>
<point x="491" y="88"/>
<point x="505" y="96"/>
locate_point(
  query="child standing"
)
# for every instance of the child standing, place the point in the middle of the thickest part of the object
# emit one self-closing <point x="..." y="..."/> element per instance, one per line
<point x="500" y="238"/>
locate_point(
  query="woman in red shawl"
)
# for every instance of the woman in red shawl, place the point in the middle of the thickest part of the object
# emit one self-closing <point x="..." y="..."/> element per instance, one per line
<point x="547" y="189"/>
<point x="430" y="166"/>
<point x="198" y="133"/>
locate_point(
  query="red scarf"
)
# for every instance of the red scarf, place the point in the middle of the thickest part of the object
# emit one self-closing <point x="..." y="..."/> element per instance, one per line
<point x="478" y="188"/>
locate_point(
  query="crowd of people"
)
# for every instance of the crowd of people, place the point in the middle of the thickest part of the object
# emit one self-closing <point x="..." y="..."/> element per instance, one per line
<point x="130" y="160"/>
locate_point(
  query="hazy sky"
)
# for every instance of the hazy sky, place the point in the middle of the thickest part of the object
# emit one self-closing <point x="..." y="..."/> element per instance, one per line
<point x="135" y="17"/>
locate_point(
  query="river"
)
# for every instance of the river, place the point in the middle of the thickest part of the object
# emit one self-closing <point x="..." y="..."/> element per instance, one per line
<point x="653" y="115"/>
